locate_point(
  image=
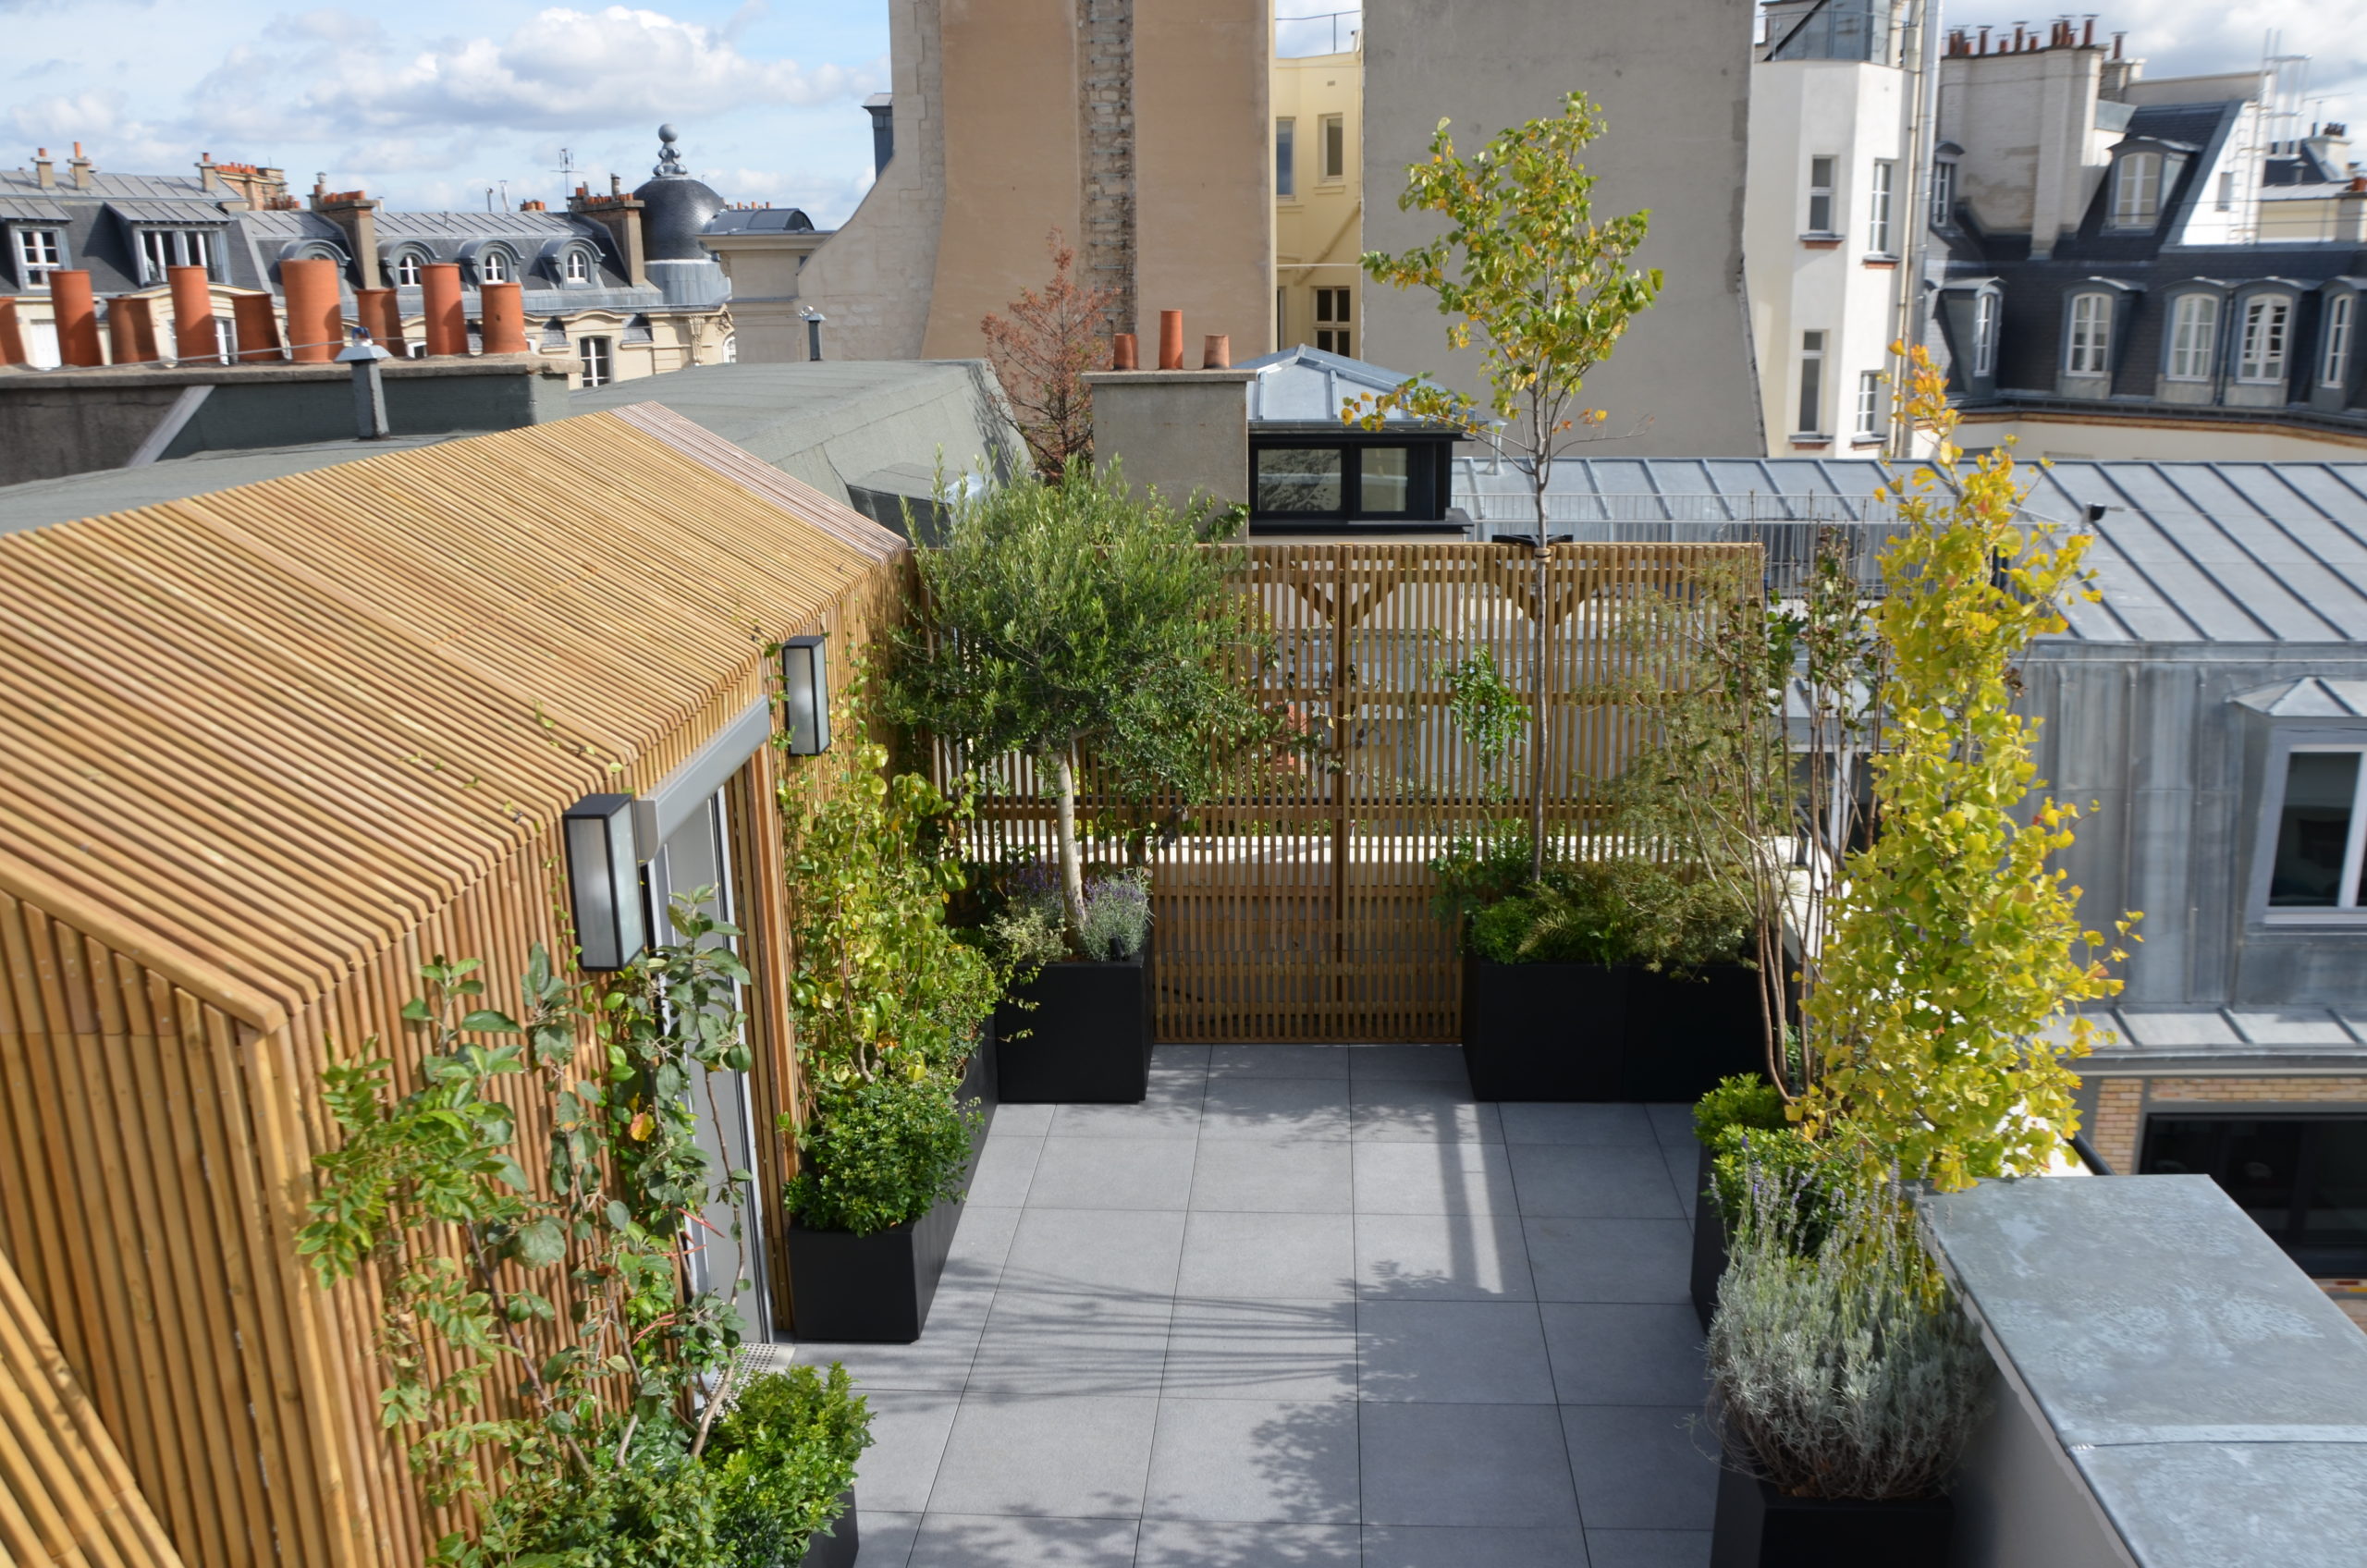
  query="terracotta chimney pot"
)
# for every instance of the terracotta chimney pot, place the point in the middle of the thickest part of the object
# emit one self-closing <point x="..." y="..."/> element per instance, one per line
<point x="503" y="314"/>
<point x="257" y="327"/>
<point x="12" y="339"/>
<point x="194" y="337"/>
<point x="1170" y="339"/>
<point x="447" y="324"/>
<point x="77" y="313"/>
<point x="131" y="330"/>
<point x="315" y="325"/>
<point x="1122" y="352"/>
<point x="1216" y="351"/>
<point x="380" y="315"/>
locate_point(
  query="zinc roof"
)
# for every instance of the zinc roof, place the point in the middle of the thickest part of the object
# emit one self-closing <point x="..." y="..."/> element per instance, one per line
<point x="255" y="735"/>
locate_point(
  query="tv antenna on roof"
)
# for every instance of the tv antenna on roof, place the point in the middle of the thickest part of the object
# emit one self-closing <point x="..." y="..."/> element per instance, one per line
<point x="566" y="171"/>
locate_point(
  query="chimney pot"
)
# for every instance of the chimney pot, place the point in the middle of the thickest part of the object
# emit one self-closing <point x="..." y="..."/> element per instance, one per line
<point x="1123" y="353"/>
<point x="76" y="311"/>
<point x="1170" y="339"/>
<point x="1216" y="351"/>
<point x="44" y="174"/>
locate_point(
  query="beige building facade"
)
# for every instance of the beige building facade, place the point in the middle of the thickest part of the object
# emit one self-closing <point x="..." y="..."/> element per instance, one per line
<point x="1318" y="200"/>
<point x="1138" y="128"/>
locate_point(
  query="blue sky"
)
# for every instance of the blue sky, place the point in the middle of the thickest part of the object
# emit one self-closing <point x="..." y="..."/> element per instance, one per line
<point x="430" y="103"/>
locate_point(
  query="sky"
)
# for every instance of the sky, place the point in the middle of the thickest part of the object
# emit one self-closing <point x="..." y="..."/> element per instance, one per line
<point x="432" y="103"/>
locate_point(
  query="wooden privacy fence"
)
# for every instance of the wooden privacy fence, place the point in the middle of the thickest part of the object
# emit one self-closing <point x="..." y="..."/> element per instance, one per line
<point x="1299" y="909"/>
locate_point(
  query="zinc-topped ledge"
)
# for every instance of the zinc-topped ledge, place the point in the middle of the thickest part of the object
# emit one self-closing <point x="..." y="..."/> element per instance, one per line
<point x="266" y="373"/>
<point x="2173" y="1392"/>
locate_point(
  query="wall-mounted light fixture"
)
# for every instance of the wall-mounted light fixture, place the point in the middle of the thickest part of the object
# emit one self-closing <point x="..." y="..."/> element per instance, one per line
<point x="806" y="694"/>
<point x="603" y="881"/>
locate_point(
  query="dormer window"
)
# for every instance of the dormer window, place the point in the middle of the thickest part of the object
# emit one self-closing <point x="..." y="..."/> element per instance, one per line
<point x="2267" y="321"/>
<point x="2194" y="337"/>
<point x="1943" y="193"/>
<point x="2089" y="349"/>
<point x="1984" y="335"/>
<point x="2334" y="351"/>
<point x="493" y="267"/>
<point x="161" y="249"/>
<point x="2137" y="190"/>
<point x="577" y="267"/>
<point x="39" y="252"/>
<point x="408" y="273"/>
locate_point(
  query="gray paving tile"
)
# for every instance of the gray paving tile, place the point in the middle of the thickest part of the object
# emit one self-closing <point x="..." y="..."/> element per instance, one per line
<point x="886" y="1539"/>
<point x="1441" y="1257"/>
<point x="1581" y="1180"/>
<point x="1165" y="1057"/>
<point x="1041" y="1347"/>
<point x="1444" y="1062"/>
<point x="1649" y="1548"/>
<point x="1272" y="1176"/>
<point x="908" y="1433"/>
<point x="1004" y="1170"/>
<point x="1296" y="1255"/>
<point x="1414" y="1545"/>
<point x="1274" y="1108"/>
<point x="1067" y="1251"/>
<point x="1169" y="1108"/>
<point x="1642" y="1468"/>
<point x="1079" y="1458"/>
<point x="1022" y="1122"/>
<point x="1421" y="1110"/>
<point x="1674" y="1123"/>
<point x="1433" y="1179"/>
<point x="1625" y="1354"/>
<point x="1684" y="1172"/>
<point x="1143" y="1173"/>
<point x="1499" y="1464"/>
<point x="1561" y="1121"/>
<point x="1251" y="1460"/>
<point x="1271" y="1350"/>
<point x="1176" y="1543"/>
<point x="1277" y="1061"/>
<point x="1458" y="1352"/>
<point x="1620" y="1260"/>
<point x="953" y="1540"/>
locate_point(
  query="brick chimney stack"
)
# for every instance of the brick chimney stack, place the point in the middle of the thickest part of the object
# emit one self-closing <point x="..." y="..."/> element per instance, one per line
<point x="356" y="213"/>
<point x="82" y="168"/>
<point x="44" y="172"/>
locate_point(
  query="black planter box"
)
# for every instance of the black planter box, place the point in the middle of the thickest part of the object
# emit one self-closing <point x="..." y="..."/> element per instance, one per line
<point x="1543" y="1031"/>
<point x="1086" y="1041"/>
<point x="877" y="1288"/>
<point x="1760" y="1528"/>
<point x="838" y="1549"/>
<point x="1683" y="1035"/>
<point x="1708" y="1245"/>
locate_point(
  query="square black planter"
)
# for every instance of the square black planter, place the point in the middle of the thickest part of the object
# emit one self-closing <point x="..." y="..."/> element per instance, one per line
<point x="1760" y="1528"/>
<point x="877" y="1289"/>
<point x="837" y="1548"/>
<point x="1683" y="1035"/>
<point x="1543" y="1031"/>
<point x="1086" y="1040"/>
<point x="1708" y="1243"/>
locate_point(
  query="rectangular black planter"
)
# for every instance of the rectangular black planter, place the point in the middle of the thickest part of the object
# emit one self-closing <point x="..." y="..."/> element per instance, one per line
<point x="837" y="1548"/>
<point x="1543" y="1031"/>
<point x="1086" y="1041"/>
<point x="877" y="1289"/>
<point x="1708" y="1243"/>
<point x="1760" y="1528"/>
<point x="1683" y="1035"/>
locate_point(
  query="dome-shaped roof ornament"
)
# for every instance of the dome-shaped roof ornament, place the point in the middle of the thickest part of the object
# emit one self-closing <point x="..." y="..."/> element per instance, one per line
<point x="669" y="162"/>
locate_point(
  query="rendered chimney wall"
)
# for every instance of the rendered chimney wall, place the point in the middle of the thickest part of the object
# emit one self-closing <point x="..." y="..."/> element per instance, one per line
<point x="77" y="313"/>
<point x="195" y="338"/>
<point x="315" y="325"/>
<point x="503" y="315"/>
<point x="1170" y="339"/>
<point x="44" y="172"/>
<point x="82" y="168"/>
<point x="447" y="324"/>
<point x="131" y="330"/>
<point x="257" y="327"/>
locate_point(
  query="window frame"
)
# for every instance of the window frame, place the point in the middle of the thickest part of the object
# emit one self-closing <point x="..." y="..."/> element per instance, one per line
<point x="2087" y="346"/>
<point x="2203" y="303"/>
<point x="1943" y="193"/>
<point x="602" y="347"/>
<point x="33" y="275"/>
<point x="2127" y="211"/>
<point x="415" y="262"/>
<point x="1286" y="158"/>
<point x="492" y="257"/>
<point x="1823" y="191"/>
<point x="1988" y="315"/>
<point x="1811" y="382"/>
<point x="2337" y="328"/>
<point x="1870" y="406"/>
<point x="1331" y="137"/>
<point x="2263" y="372"/>
<point x="1882" y="238"/>
<point x="1427" y="467"/>
<point x="570" y="259"/>
<point x="2279" y="771"/>
<point x="163" y="246"/>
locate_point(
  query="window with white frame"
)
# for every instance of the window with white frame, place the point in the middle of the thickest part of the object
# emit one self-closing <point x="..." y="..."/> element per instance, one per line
<point x="164" y="247"/>
<point x="1285" y="159"/>
<point x="1878" y="195"/>
<point x="2261" y="355"/>
<point x="2089" y="352"/>
<point x="1870" y="403"/>
<point x="2333" y="341"/>
<point x="1811" y="383"/>
<point x="2321" y="820"/>
<point x="1943" y="193"/>
<point x="578" y="266"/>
<point x="409" y="269"/>
<point x="2137" y="190"/>
<point x="493" y="267"/>
<point x="2194" y="337"/>
<point x="1821" y="194"/>
<point x="39" y="252"/>
<point x="1984" y="335"/>
<point x="1335" y="147"/>
<point x="597" y="355"/>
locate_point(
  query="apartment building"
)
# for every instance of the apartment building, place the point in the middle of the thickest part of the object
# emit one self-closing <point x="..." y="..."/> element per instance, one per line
<point x="1319" y="194"/>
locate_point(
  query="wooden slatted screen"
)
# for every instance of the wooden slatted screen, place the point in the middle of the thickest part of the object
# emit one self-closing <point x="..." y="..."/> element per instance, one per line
<point x="1300" y="909"/>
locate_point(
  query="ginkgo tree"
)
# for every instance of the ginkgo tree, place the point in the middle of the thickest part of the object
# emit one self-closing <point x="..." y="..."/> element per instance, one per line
<point x="1547" y="292"/>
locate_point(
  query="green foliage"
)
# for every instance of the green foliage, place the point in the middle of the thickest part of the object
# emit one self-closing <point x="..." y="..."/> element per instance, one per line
<point x="1744" y="1100"/>
<point x="1842" y="1365"/>
<point x="879" y="1152"/>
<point x="1609" y="912"/>
<point x="1781" y="1160"/>
<point x="1487" y="711"/>
<point x="1953" y="944"/>
<point x="1073" y="621"/>
<point x="656" y="1507"/>
<point x="781" y="1456"/>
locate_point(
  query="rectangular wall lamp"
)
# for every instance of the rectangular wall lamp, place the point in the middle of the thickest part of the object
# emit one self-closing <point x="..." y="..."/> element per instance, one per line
<point x="806" y="694"/>
<point x="603" y="881"/>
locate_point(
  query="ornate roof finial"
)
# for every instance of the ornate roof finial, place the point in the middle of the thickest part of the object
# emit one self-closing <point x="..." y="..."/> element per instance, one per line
<point x="669" y="162"/>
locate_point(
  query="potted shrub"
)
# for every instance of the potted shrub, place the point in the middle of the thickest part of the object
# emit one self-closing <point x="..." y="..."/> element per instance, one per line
<point x="895" y="1066"/>
<point x="1054" y="1040"/>
<point x="1846" y="1380"/>
<point x="1743" y="1103"/>
<point x="1079" y="642"/>
<point x="783" y="1457"/>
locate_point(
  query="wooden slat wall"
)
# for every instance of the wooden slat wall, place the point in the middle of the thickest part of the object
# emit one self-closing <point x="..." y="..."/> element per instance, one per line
<point x="1301" y="910"/>
<point x="271" y="748"/>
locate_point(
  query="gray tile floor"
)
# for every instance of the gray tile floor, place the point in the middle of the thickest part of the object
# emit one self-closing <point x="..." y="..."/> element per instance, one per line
<point x="1306" y="1305"/>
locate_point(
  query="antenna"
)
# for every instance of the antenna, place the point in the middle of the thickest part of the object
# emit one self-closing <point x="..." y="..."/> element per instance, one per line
<point x="566" y="172"/>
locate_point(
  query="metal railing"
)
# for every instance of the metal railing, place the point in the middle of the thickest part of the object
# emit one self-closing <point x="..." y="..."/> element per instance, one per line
<point x="1292" y="31"/>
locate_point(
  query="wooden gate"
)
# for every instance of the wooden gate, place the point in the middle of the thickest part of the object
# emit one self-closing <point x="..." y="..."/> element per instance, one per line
<point x="1302" y="910"/>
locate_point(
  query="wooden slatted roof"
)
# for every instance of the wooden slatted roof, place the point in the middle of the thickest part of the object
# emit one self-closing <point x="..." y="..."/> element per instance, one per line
<point x="253" y="736"/>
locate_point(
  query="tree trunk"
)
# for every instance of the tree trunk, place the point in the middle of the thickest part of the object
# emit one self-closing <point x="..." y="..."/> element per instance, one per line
<point x="1537" y="706"/>
<point x="1071" y="865"/>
